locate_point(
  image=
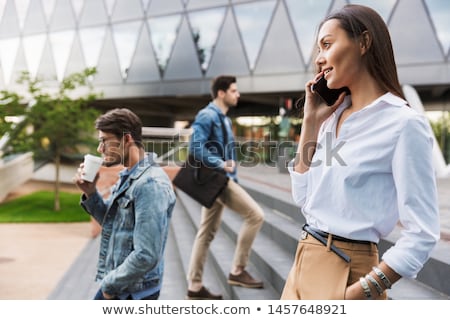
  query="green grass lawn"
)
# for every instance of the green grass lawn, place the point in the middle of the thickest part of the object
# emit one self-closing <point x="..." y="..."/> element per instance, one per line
<point x="38" y="207"/>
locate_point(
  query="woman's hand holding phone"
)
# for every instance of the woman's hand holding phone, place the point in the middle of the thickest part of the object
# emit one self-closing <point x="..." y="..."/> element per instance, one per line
<point x="315" y="110"/>
<point x="330" y="96"/>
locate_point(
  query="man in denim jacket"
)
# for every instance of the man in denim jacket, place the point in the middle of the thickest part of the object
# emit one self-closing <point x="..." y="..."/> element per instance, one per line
<point x="135" y="218"/>
<point x="212" y="142"/>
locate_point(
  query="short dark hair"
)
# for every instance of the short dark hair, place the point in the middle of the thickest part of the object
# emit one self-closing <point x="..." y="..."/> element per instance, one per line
<point x="120" y="121"/>
<point x="221" y="83"/>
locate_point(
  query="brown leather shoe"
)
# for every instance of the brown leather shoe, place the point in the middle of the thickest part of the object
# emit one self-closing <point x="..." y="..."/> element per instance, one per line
<point x="202" y="294"/>
<point x="244" y="279"/>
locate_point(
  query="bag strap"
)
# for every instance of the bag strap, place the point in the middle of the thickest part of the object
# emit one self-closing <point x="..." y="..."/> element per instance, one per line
<point x="199" y="163"/>
<point x="225" y="135"/>
<point x="224" y="131"/>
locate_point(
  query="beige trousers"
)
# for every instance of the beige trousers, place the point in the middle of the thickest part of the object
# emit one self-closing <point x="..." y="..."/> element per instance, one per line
<point x="320" y="274"/>
<point x="238" y="200"/>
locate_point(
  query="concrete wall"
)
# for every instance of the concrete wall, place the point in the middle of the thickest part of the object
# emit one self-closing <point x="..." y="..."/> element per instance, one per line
<point x="14" y="173"/>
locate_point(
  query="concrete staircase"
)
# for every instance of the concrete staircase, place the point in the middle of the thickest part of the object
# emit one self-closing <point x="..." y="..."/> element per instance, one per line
<point x="272" y="254"/>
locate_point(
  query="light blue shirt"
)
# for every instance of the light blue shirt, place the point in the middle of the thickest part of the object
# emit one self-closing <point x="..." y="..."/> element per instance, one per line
<point x="376" y="173"/>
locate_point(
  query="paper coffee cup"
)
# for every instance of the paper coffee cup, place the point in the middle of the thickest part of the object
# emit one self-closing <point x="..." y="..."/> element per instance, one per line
<point x="91" y="166"/>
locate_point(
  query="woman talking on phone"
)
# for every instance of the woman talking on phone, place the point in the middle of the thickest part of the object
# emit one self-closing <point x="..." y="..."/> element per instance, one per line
<point x="363" y="165"/>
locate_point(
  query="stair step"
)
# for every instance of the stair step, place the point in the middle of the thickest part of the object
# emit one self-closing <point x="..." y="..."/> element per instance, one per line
<point x="274" y="260"/>
<point x="184" y="235"/>
<point x="78" y="283"/>
<point x="270" y="260"/>
<point x="404" y="289"/>
<point x="174" y="280"/>
<point x="410" y="289"/>
<point x="222" y="252"/>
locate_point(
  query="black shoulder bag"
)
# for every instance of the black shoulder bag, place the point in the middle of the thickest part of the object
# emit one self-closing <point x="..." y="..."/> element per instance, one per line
<point x="200" y="182"/>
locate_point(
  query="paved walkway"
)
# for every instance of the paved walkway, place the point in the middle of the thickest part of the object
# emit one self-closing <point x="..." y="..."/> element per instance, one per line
<point x="35" y="256"/>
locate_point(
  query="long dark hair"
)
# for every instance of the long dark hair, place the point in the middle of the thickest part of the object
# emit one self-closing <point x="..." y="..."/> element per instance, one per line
<point x="379" y="58"/>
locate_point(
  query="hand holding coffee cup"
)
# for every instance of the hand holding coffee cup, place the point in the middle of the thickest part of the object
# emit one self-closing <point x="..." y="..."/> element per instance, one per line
<point x="91" y="166"/>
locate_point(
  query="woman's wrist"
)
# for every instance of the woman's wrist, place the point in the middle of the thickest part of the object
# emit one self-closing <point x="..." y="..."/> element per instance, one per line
<point x="355" y="292"/>
<point x="372" y="285"/>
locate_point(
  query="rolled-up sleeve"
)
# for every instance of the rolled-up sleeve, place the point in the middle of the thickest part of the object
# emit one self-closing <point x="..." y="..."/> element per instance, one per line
<point x="415" y="183"/>
<point x="299" y="183"/>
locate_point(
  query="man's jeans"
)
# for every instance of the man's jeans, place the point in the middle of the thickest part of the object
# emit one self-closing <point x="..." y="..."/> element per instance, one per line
<point x="99" y="296"/>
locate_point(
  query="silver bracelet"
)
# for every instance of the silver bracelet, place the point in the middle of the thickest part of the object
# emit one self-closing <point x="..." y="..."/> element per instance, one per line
<point x="365" y="287"/>
<point x="375" y="284"/>
<point x="383" y="277"/>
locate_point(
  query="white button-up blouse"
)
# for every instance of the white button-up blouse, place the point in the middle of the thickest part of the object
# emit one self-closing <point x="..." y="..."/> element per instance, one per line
<point x="376" y="173"/>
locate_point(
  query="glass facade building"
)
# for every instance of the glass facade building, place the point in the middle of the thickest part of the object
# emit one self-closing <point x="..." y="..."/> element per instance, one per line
<point x="159" y="55"/>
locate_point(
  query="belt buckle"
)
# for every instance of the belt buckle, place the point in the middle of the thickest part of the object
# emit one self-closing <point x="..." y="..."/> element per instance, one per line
<point x="303" y="235"/>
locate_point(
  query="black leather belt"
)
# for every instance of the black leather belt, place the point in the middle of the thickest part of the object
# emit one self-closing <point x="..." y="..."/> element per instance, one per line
<point x="337" y="238"/>
<point x="320" y="236"/>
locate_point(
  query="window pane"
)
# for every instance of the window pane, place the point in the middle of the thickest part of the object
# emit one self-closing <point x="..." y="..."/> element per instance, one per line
<point x="61" y="44"/>
<point x="160" y="7"/>
<point x="202" y="4"/>
<point x="49" y="7"/>
<point x="306" y="15"/>
<point x="205" y="28"/>
<point x="91" y="43"/>
<point x="145" y="4"/>
<point x="163" y="31"/>
<point x="127" y="10"/>
<point x="125" y="38"/>
<point x="440" y="14"/>
<point x="9" y="24"/>
<point x="253" y="20"/>
<point x="8" y="57"/>
<point x="35" y="22"/>
<point x="383" y="7"/>
<point x="109" y="6"/>
<point x="33" y="47"/>
<point x="22" y="8"/>
<point x="77" y="6"/>
<point x="94" y="13"/>
<point x="63" y="17"/>
<point x="2" y="7"/>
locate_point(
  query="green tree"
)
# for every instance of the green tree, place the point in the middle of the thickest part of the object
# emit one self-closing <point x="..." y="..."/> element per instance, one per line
<point x="60" y="122"/>
<point x="10" y="106"/>
<point x="441" y="129"/>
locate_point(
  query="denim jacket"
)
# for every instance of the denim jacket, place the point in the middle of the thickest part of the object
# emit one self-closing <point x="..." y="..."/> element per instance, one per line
<point x="207" y="142"/>
<point x="135" y="221"/>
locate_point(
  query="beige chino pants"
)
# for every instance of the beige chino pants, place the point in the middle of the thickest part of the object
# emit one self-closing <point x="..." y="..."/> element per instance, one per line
<point x="238" y="200"/>
<point x="320" y="274"/>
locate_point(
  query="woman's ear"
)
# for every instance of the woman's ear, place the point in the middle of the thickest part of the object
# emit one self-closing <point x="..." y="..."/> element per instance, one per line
<point x="365" y="42"/>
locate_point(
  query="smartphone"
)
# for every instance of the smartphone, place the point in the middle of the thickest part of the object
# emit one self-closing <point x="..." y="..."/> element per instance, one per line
<point x="328" y="95"/>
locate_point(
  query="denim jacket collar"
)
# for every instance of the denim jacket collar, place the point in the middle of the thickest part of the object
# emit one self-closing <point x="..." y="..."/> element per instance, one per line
<point x="216" y="108"/>
<point x="137" y="170"/>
